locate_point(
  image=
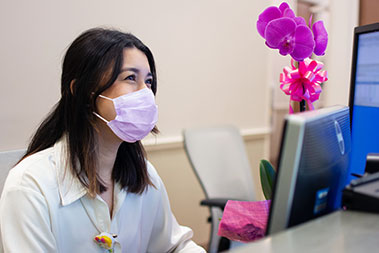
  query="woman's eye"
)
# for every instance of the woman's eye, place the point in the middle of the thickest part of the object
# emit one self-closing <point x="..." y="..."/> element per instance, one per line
<point x="131" y="77"/>
<point x="149" y="82"/>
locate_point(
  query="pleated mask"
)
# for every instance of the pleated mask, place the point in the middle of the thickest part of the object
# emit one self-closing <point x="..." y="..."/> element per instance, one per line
<point x="136" y="115"/>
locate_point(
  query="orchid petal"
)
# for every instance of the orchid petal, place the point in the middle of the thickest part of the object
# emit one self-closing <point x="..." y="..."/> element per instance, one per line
<point x="286" y="47"/>
<point x="320" y="37"/>
<point x="283" y="6"/>
<point x="310" y="21"/>
<point x="278" y="29"/>
<point x="288" y="13"/>
<point x="299" y="20"/>
<point x="265" y="17"/>
<point x="270" y="46"/>
<point x="304" y="43"/>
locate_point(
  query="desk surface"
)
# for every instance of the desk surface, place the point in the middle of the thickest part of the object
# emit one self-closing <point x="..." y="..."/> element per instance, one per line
<point x="342" y="231"/>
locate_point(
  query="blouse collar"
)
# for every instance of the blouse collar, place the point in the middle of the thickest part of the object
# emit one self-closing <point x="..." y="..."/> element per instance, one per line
<point x="70" y="188"/>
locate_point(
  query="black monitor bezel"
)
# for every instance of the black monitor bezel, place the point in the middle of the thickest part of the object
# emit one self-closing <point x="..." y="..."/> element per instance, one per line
<point x="357" y="31"/>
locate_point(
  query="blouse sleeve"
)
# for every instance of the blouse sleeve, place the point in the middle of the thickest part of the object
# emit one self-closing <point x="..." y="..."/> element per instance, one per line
<point x="167" y="234"/>
<point x="24" y="222"/>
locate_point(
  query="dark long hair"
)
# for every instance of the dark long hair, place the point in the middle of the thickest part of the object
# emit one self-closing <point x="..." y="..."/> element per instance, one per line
<point x="93" y="62"/>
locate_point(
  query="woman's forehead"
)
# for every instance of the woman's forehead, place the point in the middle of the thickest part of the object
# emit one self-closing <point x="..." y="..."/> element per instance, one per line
<point x="136" y="59"/>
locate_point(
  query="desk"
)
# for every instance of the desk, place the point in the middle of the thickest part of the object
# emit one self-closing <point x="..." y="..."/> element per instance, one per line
<point x="342" y="231"/>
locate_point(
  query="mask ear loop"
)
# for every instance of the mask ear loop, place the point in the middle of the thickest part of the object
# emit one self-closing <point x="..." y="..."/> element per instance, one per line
<point x="98" y="115"/>
<point x="106" y="121"/>
<point x="105" y="97"/>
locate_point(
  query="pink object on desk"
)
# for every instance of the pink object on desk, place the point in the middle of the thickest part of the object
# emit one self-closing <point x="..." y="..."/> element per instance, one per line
<point x="244" y="221"/>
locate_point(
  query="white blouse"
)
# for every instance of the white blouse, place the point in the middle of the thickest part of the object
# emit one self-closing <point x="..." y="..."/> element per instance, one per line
<point x="44" y="209"/>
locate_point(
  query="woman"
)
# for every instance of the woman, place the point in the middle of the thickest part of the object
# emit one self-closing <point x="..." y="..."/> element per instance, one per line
<point x="84" y="184"/>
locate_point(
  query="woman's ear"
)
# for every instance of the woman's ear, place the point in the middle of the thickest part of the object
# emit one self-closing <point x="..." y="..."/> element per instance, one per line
<point x="72" y="86"/>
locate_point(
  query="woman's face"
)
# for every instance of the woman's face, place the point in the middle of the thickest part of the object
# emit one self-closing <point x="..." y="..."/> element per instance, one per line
<point x="135" y="75"/>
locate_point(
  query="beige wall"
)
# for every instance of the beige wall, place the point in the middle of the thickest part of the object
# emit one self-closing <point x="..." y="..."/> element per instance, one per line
<point x="210" y="60"/>
<point x="211" y="64"/>
<point x="343" y="17"/>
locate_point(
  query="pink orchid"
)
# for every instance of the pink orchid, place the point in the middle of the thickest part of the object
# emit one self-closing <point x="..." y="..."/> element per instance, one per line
<point x="290" y="34"/>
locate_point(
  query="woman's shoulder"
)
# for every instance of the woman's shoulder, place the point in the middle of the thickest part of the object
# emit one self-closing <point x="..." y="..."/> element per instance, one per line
<point x="153" y="174"/>
<point x="32" y="172"/>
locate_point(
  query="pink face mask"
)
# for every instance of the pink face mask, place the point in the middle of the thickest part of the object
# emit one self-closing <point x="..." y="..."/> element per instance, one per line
<point x="136" y="116"/>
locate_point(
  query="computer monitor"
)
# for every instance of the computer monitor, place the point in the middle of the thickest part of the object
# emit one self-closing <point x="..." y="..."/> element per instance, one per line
<point x="364" y="97"/>
<point x="312" y="169"/>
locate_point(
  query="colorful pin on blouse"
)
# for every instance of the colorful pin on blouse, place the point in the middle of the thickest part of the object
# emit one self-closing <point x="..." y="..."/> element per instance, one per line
<point x="106" y="241"/>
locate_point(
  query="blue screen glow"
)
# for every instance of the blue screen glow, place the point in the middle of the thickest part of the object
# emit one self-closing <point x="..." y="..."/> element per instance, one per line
<point x="365" y="119"/>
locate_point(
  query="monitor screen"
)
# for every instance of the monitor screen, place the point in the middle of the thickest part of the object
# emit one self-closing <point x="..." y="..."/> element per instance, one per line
<point x="364" y="97"/>
<point x="313" y="165"/>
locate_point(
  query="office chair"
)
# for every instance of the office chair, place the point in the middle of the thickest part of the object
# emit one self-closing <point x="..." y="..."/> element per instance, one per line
<point x="7" y="160"/>
<point x="219" y="160"/>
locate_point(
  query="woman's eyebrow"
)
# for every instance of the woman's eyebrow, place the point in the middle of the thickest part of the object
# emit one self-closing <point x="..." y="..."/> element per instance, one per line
<point x="135" y="70"/>
<point x="130" y="69"/>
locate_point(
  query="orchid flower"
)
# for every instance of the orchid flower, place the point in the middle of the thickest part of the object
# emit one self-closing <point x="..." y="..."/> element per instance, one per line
<point x="290" y="34"/>
<point x="321" y="37"/>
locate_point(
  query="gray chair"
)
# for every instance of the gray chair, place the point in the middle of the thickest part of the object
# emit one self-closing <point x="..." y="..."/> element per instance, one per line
<point x="7" y="160"/>
<point x="219" y="160"/>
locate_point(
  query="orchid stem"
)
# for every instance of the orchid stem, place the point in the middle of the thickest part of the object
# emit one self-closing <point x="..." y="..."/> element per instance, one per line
<point x="302" y="106"/>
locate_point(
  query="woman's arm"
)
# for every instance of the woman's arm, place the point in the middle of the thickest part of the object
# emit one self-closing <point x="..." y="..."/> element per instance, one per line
<point x="167" y="234"/>
<point x="25" y="221"/>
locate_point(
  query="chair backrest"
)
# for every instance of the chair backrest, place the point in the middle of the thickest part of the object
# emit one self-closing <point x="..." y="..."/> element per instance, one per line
<point x="7" y="160"/>
<point x="218" y="157"/>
